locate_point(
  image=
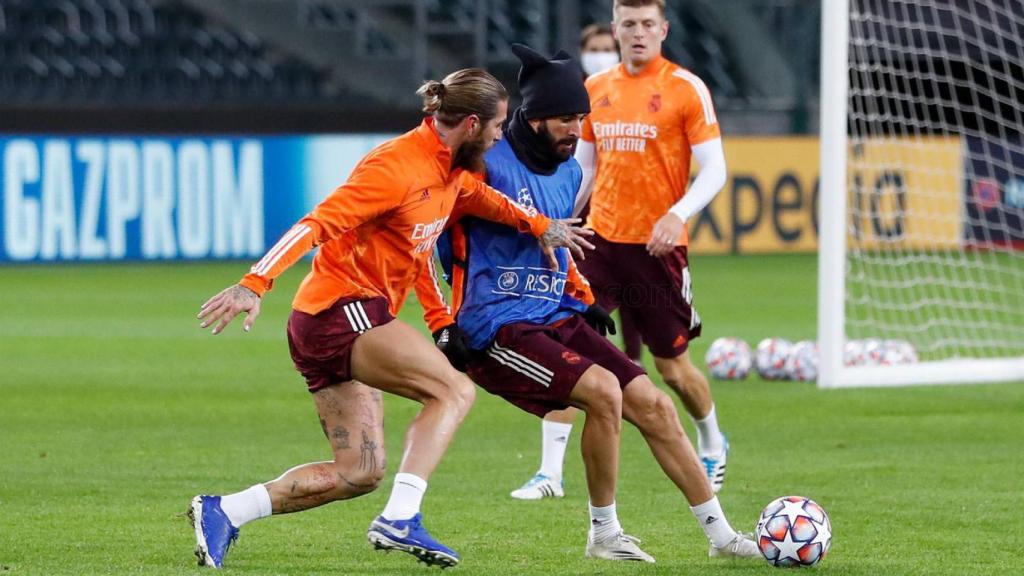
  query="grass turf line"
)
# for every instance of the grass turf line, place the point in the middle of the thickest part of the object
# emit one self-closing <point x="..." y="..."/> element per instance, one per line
<point x="115" y="409"/>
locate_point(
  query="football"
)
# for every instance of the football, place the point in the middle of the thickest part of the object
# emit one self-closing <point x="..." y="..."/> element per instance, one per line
<point x="853" y="353"/>
<point x="771" y="358"/>
<point x="873" y="352"/>
<point x="802" y="363"/>
<point x="898" y="352"/>
<point x="794" y="531"/>
<point x="728" y="359"/>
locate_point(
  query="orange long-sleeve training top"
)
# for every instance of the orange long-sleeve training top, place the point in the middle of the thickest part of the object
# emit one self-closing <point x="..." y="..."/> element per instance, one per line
<point x="377" y="230"/>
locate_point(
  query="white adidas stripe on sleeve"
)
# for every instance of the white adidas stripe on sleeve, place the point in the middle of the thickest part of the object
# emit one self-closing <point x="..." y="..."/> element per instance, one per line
<point x="702" y="93"/>
<point x="282" y="247"/>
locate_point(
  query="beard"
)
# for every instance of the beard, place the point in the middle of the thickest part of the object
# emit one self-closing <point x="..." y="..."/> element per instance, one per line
<point x="470" y="156"/>
<point x="562" y="149"/>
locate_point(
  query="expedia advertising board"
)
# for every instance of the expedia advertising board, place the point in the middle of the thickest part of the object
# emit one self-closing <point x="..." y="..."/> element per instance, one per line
<point x="770" y="200"/>
<point x="102" y="198"/>
<point x="906" y="194"/>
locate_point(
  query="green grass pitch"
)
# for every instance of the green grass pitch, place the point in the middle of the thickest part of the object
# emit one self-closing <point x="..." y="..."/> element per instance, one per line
<point x="115" y="409"/>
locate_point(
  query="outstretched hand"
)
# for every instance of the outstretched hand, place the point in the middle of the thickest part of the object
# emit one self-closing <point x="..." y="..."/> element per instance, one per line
<point x="229" y="303"/>
<point x="564" y="233"/>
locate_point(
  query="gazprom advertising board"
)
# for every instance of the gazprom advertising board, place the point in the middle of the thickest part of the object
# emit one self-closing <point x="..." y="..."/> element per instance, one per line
<point x="73" y="199"/>
<point x="145" y="198"/>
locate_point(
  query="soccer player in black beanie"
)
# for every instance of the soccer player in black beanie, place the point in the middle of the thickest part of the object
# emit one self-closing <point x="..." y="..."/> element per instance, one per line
<point x="535" y="336"/>
<point x="551" y="89"/>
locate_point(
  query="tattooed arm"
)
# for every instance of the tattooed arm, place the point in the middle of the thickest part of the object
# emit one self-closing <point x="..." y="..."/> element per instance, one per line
<point x="565" y="233"/>
<point x="229" y="303"/>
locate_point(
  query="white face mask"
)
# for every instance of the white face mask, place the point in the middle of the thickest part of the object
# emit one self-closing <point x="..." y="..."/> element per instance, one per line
<point x="594" y="62"/>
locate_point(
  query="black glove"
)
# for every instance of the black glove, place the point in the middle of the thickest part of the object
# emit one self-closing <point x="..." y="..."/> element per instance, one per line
<point x="451" y="341"/>
<point x="599" y="320"/>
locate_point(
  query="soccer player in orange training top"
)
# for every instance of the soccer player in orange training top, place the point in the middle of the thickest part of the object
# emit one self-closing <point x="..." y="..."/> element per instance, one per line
<point x="598" y="52"/>
<point x="375" y="233"/>
<point x="648" y="118"/>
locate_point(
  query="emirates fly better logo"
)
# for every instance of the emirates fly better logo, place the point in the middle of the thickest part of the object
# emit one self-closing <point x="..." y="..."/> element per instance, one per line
<point x="625" y="136"/>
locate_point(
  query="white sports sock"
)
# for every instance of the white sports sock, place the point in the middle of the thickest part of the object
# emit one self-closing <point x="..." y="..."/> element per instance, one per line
<point x="250" y="504"/>
<point x="711" y="518"/>
<point x="604" y="522"/>
<point x="406" y="497"/>
<point x="709" y="437"/>
<point x="555" y="439"/>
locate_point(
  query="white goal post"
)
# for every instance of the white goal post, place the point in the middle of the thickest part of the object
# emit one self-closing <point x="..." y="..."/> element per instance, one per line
<point x="921" y="210"/>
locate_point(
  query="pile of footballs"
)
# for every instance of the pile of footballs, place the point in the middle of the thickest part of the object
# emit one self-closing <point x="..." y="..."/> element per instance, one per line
<point x="779" y="359"/>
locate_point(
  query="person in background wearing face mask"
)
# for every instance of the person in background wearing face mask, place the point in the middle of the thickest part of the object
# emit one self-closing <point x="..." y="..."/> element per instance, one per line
<point x="598" y="50"/>
<point x="535" y="337"/>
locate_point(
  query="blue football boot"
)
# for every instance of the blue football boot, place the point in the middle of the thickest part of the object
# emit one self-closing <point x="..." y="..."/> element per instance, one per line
<point x="410" y="536"/>
<point x="214" y="532"/>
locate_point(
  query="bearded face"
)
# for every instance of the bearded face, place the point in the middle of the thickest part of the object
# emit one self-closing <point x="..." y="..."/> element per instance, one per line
<point x="561" y="135"/>
<point x="470" y="155"/>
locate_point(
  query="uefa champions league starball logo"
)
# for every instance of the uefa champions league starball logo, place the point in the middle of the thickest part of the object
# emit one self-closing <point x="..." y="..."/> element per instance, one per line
<point x="524" y="198"/>
<point x="508" y="281"/>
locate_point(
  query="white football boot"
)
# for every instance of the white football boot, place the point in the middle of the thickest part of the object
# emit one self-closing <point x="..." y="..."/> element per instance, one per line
<point x="742" y="546"/>
<point x="619" y="546"/>
<point x="540" y="486"/>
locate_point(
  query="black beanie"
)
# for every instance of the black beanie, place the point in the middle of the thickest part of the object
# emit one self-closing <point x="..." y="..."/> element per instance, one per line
<point x="550" y="87"/>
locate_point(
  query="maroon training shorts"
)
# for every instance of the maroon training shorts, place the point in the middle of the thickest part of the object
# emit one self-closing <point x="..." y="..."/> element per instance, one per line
<point x="658" y="292"/>
<point x="535" y="367"/>
<point x="321" y="344"/>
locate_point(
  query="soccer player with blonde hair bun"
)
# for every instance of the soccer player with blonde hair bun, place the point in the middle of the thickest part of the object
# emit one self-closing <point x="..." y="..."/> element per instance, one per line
<point x="375" y="234"/>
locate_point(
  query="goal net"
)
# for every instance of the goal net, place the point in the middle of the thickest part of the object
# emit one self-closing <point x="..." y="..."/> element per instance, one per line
<point x="922" y="221"/>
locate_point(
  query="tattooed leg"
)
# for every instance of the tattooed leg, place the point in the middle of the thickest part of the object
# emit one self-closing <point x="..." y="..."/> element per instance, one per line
<point x="345" y="410"/>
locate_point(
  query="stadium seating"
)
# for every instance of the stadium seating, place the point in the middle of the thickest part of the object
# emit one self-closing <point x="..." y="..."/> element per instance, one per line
<point x="87" y="54"/>
<point x="110" y="51"/>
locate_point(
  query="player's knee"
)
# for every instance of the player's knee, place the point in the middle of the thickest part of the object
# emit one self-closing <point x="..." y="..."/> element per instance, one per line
<point x="463" y="392"/>
<point x="358" y="480"/>
<point x="457" y="393"/>
<point x="365" y="481"/>
<point x="648" y="407"/>
<point x="662" y="409"/>
<point x="452" y="387"/>
<point x="603" y="395"/>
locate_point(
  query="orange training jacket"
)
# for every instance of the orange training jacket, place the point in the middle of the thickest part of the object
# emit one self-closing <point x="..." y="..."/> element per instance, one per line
<point x="377" y="230"/>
